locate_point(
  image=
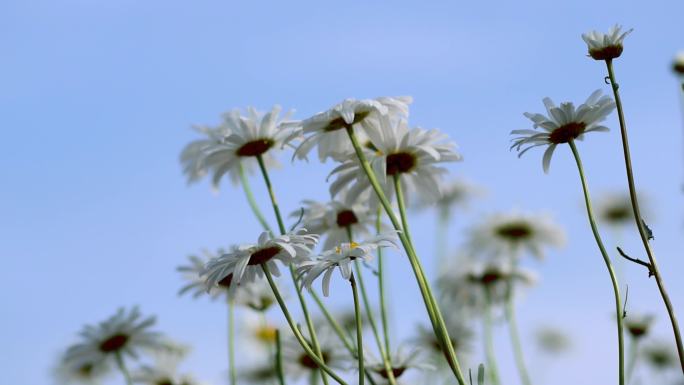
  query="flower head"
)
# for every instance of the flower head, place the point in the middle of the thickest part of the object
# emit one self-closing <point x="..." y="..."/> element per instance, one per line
<point x="327" y="129"/>
<point x="298" y="363"/>
<point x="552" y="340"/>
<point x="638" y="325"/>
<point x="659" y="355"/>
<point x="563" y="124"/>
<point x="125" y="333"/>
<point x="508" y="234"/>
<point x="243" y="263"/>
<point x="460" y="333"/>
<point x="234" y="144"/>
<point x="341" y="257"/>
<point x="164" y="370"/>
<point x="605" y="46"/>
<point x="196" y="283"/>
<point x="678" y="64"/>
<point x="411" y="154"/>
<point x="82" y="371"/>
<point x="402" y="360"/>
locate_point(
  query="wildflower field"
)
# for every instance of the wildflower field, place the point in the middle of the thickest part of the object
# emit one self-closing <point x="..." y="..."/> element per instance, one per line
<point x="308" y="193"/>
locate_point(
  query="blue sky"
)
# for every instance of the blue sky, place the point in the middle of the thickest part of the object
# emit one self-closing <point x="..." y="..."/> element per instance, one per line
<point x="97" y="97"/>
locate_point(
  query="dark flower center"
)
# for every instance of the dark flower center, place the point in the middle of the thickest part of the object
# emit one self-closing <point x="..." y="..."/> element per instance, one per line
<point x="678" y="68"/>
<point x="86" y="369"/>
<point x="308" y="362"/>
<point x="618" y="214"/>
<point x="226" y="281"/>
<point x="610" y="52"/>
<point x="263" y="255"/>
<point x="255" y="147"/>
<point x="113" y="343"/>
<point x="566" y="133"/>
<point x="346" y="218"/>
<point x="488" y="277"/>
<point x="637" y="329"/>
<point x="262" y="304"/>
<point x="514" y="231"/>
<point x="371" y="146"/>
<point x="396" y="371"/>
<point x="164" y="381"/>
<point x="400" y="162"/>
<point x="339" y="123"/>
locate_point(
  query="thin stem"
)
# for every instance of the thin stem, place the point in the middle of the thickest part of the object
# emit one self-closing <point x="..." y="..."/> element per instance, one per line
<point x="295" y="329"/>
<point x="359" y="329"/>
<point x="434" y="313"/>
<point x="283" y="231"/>
<point x="250" y="199"/>
<point x="381" y="289"/>
<point x="638" y="219"/>
<point x="492" y="367"/>
<point x="231" y="342"/>
<point x="122" y="367"/>
<point x="609" y="266"/>
<point x="632" y="360"/>
<point x="279" y="359"/>
<point x="515" y="336"/>
<point x="402" y="206"/>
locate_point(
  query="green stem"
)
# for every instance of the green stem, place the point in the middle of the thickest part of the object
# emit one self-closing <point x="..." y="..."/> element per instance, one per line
<point x="283" y="231"/>
<point x="279" y="359"/>
<point x="609" y="266"/>
<point x="402" y="206"/>
<point x="631" y="363"/>
<point x="359" y="329"/>
<point x="515" y="336"/>
<point x="231" y="342"/>
<point x="434" y="313"/>
<point x="381" y="290"/>
<point x="122" y="367"/>
<point x="492" y="367"/>
<point x="295" y="330"/>
<point x="250" y="199"/>
<point x="638" y="219"/>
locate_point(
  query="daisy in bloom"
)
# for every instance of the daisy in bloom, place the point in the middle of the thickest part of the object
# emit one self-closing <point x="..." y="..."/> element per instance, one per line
<point x="243" y="263"/>
<point x="327" y="129"/>
<point x="660" y="356"/>
<point x="296" y="362"/>
<point x="509" y="234"/>
<point x="563" y="124"/>
<point x="402" y="360"/>
<point x="341" y="257"/>
<point x="678" y="64"/>
<point x="638" y="325"/>
<point x="605" y="46"/>
<point x="164" y="371"/>
<point x="196" y="284"/>
<point x="335" y="218"/>
<point x="82" y="372"/>
<point x="411" y="154"/>
<point x="125" y="334"/>
<point x="238" y="140"/>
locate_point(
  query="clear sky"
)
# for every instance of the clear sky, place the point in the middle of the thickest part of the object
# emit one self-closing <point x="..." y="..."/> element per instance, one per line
<point x="97" y="98"/>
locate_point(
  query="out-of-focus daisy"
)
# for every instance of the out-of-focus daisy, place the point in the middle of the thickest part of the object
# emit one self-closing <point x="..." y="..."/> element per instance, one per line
<point x="552" y="340"/>
<point x="563" y="124"/>
<point x="335" y="218"/>
<point x="243" y="263"/>
<point x="678" y="64"/>
<point x="261" y="373"/>
<point x="512" y="233"/>
<point x="82" y="372"/>
<point x="239" y="139"/>
<point x="327" y="129"/>
<point x="125" y="333"/>
<point x="256" y="295"/>
<point x="192" y="273"/>
<point x="164" y="371"/>
<point x="638" y="325"/>
<point x="659" y="355"/>
<point x="402" y="359"/>
<point x="605" y="46"/>
<point x="455" y="192"/>
<point x="297" y="363"/>
<point x="341" y="257"/>
<point x="460" y="332"/>
<point x="257" y="336"/>
<point x="412" y="154"/>
<point x="615" y="209"/>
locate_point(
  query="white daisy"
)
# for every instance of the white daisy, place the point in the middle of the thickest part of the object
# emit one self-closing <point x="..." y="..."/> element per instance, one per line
<point x="563" y="124"/>
<point x="239" y="139"/>
<point x="410" y="153"/>
<point x="164" y="371"/>
<point x="196" y="283"/>
<point x="678" y="64"/>
<point x="605" y="46"/>
<point x="509" y="234"/>
<point x="335" y="218"/>
<point x="327" y="129"/>
<point x="341" y="257"/>
<point x="552" y="340"/>
<point x="402" y="360"/>
<point x="297" y="363"/>
<point x="243" y="263"/>
<point x="460" y="333"/>
<point x="125" y="334"/>
<point x="638" y="325"/>
<point x="82" y="372"/>
<point x="615" y="209"/>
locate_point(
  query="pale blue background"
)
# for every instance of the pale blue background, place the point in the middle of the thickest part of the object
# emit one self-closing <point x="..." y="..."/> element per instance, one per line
<point x="97" y="97"/>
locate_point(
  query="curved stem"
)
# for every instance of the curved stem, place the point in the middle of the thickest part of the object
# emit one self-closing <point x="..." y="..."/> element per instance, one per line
<point x="631" y="363"/>
<point x="279" y="359"/>
<point x="434" y="313"/>
<point x="515" y="336"/>
<point x="283" y="231"/>
<point x="359" y="329"/>
<point x="492" y="367"/>
<point x="609" y="266"/>
<point x="295" y="330"/>
<point x="122" y="367"/>
<point x="402" y="206"/>
<point x="639" y="221"/>
<point x="231" y="342"/>
<point x="250" y="199"/>
<point x="381" y="289"/>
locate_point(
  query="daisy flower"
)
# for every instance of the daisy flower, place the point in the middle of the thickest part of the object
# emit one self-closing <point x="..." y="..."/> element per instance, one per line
<point x="327" y="129"/>
<point x="605" y="46"/>
<point x="460" y="333"/>
<point x="243" y="263"/>
<point x="239" y="139"/>
<point x="256" y="295"/>
<point x="125" y="334"/>
<point x="660" y="356"/>
<point x="552" y="340"/>
<point x="509" y="234"/>
<point x="678" y="64"/>
<point x="402" y="360"/>
<point x="164" y="371"/>
<point x="638" y="325"/>
<point x="335" y="218"/>
<point x="563" y="124"/>
<point x="410" y="153"/>
<point x="82" y="372"/>
<point x="196" y="284"/>
<point x="297" y="364"/>
<point x="261" y="373"/>
<point x="341" y="257"/>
